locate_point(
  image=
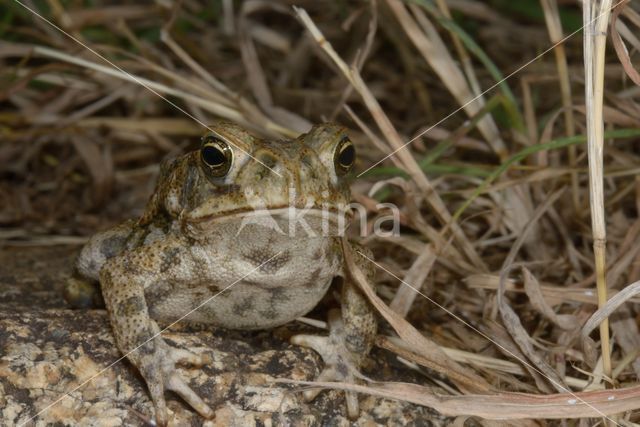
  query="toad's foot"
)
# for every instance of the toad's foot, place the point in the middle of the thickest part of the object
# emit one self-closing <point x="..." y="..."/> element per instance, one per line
<point x="340" y="363"/>
<point x="156" y="361"/>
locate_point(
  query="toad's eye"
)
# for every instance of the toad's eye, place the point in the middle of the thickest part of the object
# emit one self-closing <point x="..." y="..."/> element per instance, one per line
<point x="216" y="155"/>
<point x="345" y="156"/>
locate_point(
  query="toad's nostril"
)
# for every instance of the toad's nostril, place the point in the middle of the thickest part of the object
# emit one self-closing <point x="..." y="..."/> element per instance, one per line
<point x="268" y="160"/>
<point x="267" y="166"/>
<point x="307" y="160"/>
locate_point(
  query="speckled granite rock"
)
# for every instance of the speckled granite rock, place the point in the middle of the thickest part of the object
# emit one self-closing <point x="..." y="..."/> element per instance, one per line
<point x="61" y="367"/>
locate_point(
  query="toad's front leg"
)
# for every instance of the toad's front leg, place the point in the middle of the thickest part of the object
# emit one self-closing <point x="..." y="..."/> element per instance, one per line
<point x="123" y="280"/>
<point x="351" y="334"/>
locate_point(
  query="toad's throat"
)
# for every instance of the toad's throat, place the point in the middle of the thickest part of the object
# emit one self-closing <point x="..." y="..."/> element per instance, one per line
<point x="331" y="216"/>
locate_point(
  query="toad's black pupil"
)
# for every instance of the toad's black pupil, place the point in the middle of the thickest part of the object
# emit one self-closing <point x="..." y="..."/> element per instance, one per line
<point x="347" y="155"/>
<point x="213" y="156"/>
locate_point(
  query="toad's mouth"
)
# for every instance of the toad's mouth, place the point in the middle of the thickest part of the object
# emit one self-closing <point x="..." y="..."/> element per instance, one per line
<point x="332" y="216"/>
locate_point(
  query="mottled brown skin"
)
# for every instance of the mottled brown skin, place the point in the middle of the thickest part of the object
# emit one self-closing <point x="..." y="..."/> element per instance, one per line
<point x="194" y="241"/>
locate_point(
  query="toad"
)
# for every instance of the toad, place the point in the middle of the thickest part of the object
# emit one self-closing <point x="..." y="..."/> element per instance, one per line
<point x="243" y="233"/>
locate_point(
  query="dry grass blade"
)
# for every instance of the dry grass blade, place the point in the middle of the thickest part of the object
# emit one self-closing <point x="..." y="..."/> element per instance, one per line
<point x="502" y="406"/>
<point x="532" y="288"/>
<point x="255" y="73"/>
<point x="603" y="313"/>
<point x="465" y="59"/>
<point x="417" y="274"/>
<point x="394" y="139"/>
<point x="428" y="42"/>
<point x="213" y="107"/>
<point x="552" y="18"/>
<point x="359" y="61"/>
<point x="618" y="44"/>
<point x="510" y="318"/>
<point x="595" y="18"/>
<point x="234" y="114"/>
<point x="420" y="345"/>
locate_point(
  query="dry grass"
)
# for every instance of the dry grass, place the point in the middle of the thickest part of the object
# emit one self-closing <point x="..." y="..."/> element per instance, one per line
<point x="492" y="282"/>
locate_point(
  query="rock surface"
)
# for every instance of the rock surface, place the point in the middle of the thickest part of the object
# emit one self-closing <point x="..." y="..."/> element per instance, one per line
<point x="61" y="367"/>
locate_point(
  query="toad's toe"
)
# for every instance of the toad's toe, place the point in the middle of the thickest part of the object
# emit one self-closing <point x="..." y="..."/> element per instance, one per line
<point x="157" y="366"/>
<point x="340" y="364"/>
